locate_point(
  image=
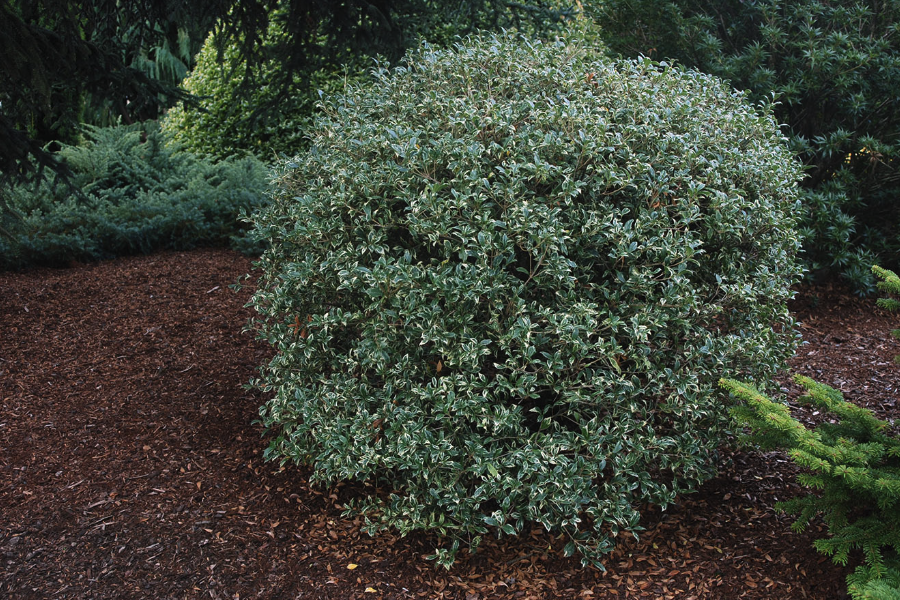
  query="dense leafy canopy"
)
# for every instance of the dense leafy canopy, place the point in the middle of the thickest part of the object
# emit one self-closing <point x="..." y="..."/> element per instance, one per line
<point x="504" y="280"/>
<point x="62" y="58"/>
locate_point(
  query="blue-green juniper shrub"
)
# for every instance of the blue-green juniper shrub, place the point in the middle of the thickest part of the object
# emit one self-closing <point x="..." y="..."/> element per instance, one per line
<point x="132" y="192"/>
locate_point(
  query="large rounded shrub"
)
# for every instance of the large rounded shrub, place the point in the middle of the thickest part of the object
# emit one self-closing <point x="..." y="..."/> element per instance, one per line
<point x="505" y="280"/>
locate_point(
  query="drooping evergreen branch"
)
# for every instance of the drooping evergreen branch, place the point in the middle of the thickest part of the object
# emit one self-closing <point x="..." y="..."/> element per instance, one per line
<point x="853" y="463"/>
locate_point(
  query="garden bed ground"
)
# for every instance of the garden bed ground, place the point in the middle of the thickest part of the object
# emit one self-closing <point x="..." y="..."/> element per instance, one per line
<point x="130" y="466"/>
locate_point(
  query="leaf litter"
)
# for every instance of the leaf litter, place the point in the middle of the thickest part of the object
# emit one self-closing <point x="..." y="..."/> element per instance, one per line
<point x="130" y="466"/>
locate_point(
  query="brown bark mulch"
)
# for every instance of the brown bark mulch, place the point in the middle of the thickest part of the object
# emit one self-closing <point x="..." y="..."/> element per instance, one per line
<point x="130" y="466"/>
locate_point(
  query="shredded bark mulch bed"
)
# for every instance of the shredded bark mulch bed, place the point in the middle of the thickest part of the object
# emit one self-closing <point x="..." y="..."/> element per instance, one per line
<point x="131" y="467"/>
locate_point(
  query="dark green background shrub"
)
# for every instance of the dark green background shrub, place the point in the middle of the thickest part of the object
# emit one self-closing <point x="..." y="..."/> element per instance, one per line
<point x="503" y="282"/>
<point x="138" y="194"/>
<point x="853" y="465"/>
<point x="834" y="68"/>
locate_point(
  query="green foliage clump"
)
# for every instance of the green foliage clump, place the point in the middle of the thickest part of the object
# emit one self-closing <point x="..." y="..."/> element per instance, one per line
<point x="501" y="283"/>
<point x="834" y="69"/>
<point x="137" y="194"/>
<point x="227" y="120"/>
<point x="854" y="462"/>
